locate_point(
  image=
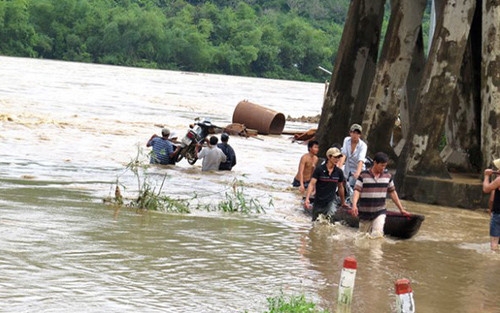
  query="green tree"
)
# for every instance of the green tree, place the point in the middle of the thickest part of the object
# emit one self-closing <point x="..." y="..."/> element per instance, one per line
<point x="265" y="38"/>
<point x="188" y="40"/>
<point x="236" y="40"/>
<point x="134" y="36"/>
<point x="17" y="35"/>
<point x="302" y="49"/>
<point x="267" y="62"/>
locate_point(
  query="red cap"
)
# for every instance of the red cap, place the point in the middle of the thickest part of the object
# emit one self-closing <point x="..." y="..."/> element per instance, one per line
<point x="350" y="262"/>
<point x="402" y="286"/>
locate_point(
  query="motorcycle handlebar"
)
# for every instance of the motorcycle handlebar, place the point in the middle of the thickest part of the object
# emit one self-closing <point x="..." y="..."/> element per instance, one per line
<point x="205" y="123"/>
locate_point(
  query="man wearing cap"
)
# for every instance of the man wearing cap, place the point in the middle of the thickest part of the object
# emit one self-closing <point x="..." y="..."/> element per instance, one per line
<point x="173" y="137"/>
<point x="327" y="178"/>
<point x="493" y="188"/>
<point x="163" y="149"/>
<point x="175" y="144"/>
<point x="228" y="151"/>
<point x="354" y="150"/>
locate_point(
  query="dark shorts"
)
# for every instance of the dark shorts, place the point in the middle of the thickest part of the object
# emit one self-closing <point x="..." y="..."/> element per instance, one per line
<point x="495" y="225"/>
<point x="296" y="183"/>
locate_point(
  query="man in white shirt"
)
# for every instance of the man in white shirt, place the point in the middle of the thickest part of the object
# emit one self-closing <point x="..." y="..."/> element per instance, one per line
<point x="211" y="155"/>
<point x="354" y="155"/>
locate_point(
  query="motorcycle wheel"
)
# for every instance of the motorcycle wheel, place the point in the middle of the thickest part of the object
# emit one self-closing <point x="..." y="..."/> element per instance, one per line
<point x="180" y="155"/>
<point x="193" y="160"/>
<point x="191" y="155"/>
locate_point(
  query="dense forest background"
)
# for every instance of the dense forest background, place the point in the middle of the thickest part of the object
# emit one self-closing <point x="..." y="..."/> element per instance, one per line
<point x="283" y="39"/>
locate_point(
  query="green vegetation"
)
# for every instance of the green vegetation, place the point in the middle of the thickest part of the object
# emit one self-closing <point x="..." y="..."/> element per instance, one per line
<point x="261" y="38"/>
<point x="297" y="304"/>
<point x="234" y="199"/>
<point x="292" y="304"/>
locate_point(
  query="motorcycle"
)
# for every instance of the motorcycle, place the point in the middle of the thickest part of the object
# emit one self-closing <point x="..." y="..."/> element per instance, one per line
<point x="196" y="134"/>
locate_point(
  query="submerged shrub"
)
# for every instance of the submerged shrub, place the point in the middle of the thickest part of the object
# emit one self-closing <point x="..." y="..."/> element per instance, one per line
<point x="292" y="304"/>
<point x="151" y="198"/>
<point x="236" y="201"/>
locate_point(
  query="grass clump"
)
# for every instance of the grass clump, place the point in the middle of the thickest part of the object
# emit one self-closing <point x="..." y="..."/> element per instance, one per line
<point x="149" y="200"/>
<point x="149" y="197"/>
<point x="236" y="201"/>
<point x="292" y="304"/>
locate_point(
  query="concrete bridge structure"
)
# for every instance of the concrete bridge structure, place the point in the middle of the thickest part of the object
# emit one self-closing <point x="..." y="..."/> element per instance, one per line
<point x="447" y="97"/>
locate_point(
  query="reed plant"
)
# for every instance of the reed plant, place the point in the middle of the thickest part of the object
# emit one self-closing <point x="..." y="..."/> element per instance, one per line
<point x="237" y="201"/>
<point x="291" y="304"/>
<point x="234" y="198"/>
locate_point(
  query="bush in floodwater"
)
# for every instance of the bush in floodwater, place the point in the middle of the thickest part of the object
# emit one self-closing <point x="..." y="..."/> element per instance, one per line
<point x="293" y="304"/>
<point x="150" y="198"/>
<point x="236" y="201"/>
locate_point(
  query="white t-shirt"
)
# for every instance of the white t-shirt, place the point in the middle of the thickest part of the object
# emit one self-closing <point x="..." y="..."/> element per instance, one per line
<point x="352" y="159"/>
<point x="212" y="157"/>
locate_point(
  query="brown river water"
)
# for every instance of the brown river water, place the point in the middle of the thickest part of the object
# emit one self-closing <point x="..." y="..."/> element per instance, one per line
<point x="67" y="133"/>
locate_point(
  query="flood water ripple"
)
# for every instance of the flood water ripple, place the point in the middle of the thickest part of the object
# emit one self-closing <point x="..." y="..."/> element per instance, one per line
<point x="68" y="132"/>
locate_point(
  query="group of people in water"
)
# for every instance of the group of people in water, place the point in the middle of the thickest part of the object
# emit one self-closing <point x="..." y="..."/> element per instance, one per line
<point x="215" y="156"/>
<point x="344" y="174"/>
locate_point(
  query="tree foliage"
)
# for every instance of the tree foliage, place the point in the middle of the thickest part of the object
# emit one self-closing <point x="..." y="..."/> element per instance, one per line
<point x="286" y="39"/>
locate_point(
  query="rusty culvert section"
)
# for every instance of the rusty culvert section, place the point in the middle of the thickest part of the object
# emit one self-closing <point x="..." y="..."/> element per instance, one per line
<point x="254" y="116"/>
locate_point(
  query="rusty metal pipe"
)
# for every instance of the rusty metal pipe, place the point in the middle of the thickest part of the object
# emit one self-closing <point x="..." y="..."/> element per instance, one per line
<point x="254" y="116"/>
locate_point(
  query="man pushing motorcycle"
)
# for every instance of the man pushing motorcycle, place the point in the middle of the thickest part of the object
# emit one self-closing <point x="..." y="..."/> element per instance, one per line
<point x="212" y="155"/>
<point x="164" y="151"/>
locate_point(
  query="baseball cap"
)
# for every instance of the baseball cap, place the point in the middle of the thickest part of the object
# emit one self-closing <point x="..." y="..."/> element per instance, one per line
<point x="172" y="135"/>
<point x="497" y="163"/>
<point x="165" y="131"/>
<point x="333" y="152"/>
<point x="357" y="127"/>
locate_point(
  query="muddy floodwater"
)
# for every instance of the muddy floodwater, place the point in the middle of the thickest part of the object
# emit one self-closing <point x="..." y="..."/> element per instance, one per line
<point x="68" y="132"/>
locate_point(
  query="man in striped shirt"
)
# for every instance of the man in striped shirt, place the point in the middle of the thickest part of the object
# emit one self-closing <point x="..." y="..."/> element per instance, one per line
<point x="370" y="192"/>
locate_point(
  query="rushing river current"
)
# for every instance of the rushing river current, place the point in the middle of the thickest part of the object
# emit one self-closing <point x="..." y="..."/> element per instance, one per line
<point x="68" y="132"/>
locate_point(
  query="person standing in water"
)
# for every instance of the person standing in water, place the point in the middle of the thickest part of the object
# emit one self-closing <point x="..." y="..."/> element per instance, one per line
<point x="228" y="151"/>
<point x="164" y="152"/>
<point x="326" y="180"/>
<point x="493" y="188"/>
<point x="211" y="155"/>
<point x="307" y="165"/>
<point x="354" y="150"/>
<point x="370" y="192"/>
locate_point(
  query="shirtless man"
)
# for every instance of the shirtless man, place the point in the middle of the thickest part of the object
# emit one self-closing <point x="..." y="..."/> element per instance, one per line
<point x="306" y="166"/>
<point x="493" y="187"/>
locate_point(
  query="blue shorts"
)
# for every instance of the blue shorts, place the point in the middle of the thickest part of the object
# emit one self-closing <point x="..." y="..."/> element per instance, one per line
<point x="495" y="225"/>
